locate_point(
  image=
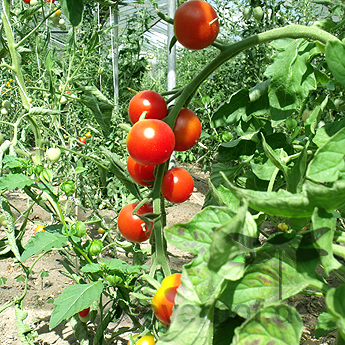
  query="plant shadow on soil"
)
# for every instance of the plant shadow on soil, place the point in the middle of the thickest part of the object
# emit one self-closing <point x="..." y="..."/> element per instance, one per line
<point x="42" y="291"/>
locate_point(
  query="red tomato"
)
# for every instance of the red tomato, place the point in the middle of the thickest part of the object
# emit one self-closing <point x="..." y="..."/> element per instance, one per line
<point x="84" y="312"/>
<point x="177" y="185"/>
<point x="150" y="142"/>
<point x="151" y="102"/>
<point x="27" y="1"/>
<point x="82" y="140"/>
<point x="140" y="173"/>
<point x="196" y="24"/>
<point x="187" y="130"/>
<point x="164" y="299"/>
<point x="131" y="226"/>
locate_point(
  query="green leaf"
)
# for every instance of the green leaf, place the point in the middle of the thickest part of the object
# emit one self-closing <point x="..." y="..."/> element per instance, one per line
<point x="277" y="325"/>
<point x="235" y="237"/>
<point x="326" y="324"/>
<point x="41" y="242"/>
<point x="324" y="133"/>
<point x="102" y="112"/>
<point x="323" y="224"/>
<point x="235" y="149"/>
<point x="335" y="301"/>
<point x="44" y="111"/>
<point x="232" y="111"/>
<point x="298" y="205"/>
<point x="91" y="268"/>
<point x="292" y="78"/>
<point x="26" y="333"/>
<point x="328" y="159"/>
<point x="335" y="58"/>
<point x="73" y="10"/>
<point x="13" y="181"/>
<point x="296" y="175"/>
<point x="73" y="299"/>
<point x="282" y="267"/>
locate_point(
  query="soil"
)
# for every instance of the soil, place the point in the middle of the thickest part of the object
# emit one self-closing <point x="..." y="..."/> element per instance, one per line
<point x="42" y="291"/>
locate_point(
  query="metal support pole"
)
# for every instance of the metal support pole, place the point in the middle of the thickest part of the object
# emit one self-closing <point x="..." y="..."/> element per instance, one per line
<point x="114" y="21"/>
<point x="172" y="54"/>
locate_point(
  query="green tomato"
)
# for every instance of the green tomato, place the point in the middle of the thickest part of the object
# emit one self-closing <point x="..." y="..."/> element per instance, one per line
<point x="53" y="154"/>
<point x="3" y="220"/>
<point x="290" y="123"/>
<point x="258" y="13"/>
<point x="6" y="104"/>
<point x="68" y="187"/>
<point x="246" y="13"/>
<point x="80" y="229"/>
<point x="95" y="247"/>
<point x="114" y="280"/>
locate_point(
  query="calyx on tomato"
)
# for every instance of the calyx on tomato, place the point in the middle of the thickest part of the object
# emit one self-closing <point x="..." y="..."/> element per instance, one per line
<point x="196" y="24"/>
<point x="164" y="299"/>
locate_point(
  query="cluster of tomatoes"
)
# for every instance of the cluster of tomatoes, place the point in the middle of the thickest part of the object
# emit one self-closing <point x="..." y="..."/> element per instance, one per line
<point x="150" y="142"/>
<point x="82" y="140"/>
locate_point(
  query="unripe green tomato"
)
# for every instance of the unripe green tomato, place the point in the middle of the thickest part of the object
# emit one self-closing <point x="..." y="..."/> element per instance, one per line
<point x="68" y="187"/>
<point x="96" y="247"/>
<point x="3" y="220"/>
<point x="80" y="229"/>
<point x="53" y="154"/>
<point x="290" y="123"/>
<point x="63" y="100"/>
<point x="6" y="104"/>
<point x="113" y="279"/>
<point x="4" y="111"/>
<point x="258" y="13"/>
<point x="33" y="2"/>
<point x="246" y="13"/>
<point x="61" y="21"/>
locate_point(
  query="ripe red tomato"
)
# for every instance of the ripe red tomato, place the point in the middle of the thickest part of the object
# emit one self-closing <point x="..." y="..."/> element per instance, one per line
<point x="177" y="185"/>
<point x="140" y="173"/>
<point x="196" y="24"/>
<point x="84" y="312"/>
<point x="150" y="142"/>
<point x="187" y="130"/>
<point x="82" y="140"/>
<point x="27" y="1"/>
<point x="131" y="226"/>
<point x="151" y="102"/>
<point x="164" y="299"/>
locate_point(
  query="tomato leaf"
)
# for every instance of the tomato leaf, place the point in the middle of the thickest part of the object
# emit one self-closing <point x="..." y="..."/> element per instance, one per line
<point x="336" y="307"/>
<point x="73" y="10"/>
<point x="328" y="162"/>
<point x="335" y="58"/>
<point x="42" y="241"/>
<point x="13" y="181"/>
<point x="278" y="324"/>
<point x="292" y="78"/>
<point x="73" y="299"/>
<point x="282" y="267"/>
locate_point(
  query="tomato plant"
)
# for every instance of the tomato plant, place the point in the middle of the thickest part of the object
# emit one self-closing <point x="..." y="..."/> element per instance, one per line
<point x="82" y="141"/>
<point x="131" y="226"/>
<point x="147" y="339"/>
<point x="177" y="185"/>
<point x="150" y="142"/>
<point x="147" y="101"/>
<point x="187" y="130"/>
<point x="164" y="299"/>
<point x="141" y="174"/>
<point x="196" y="24"/>
<point x="39" y="228"/>
<point x="53" y="154"/>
